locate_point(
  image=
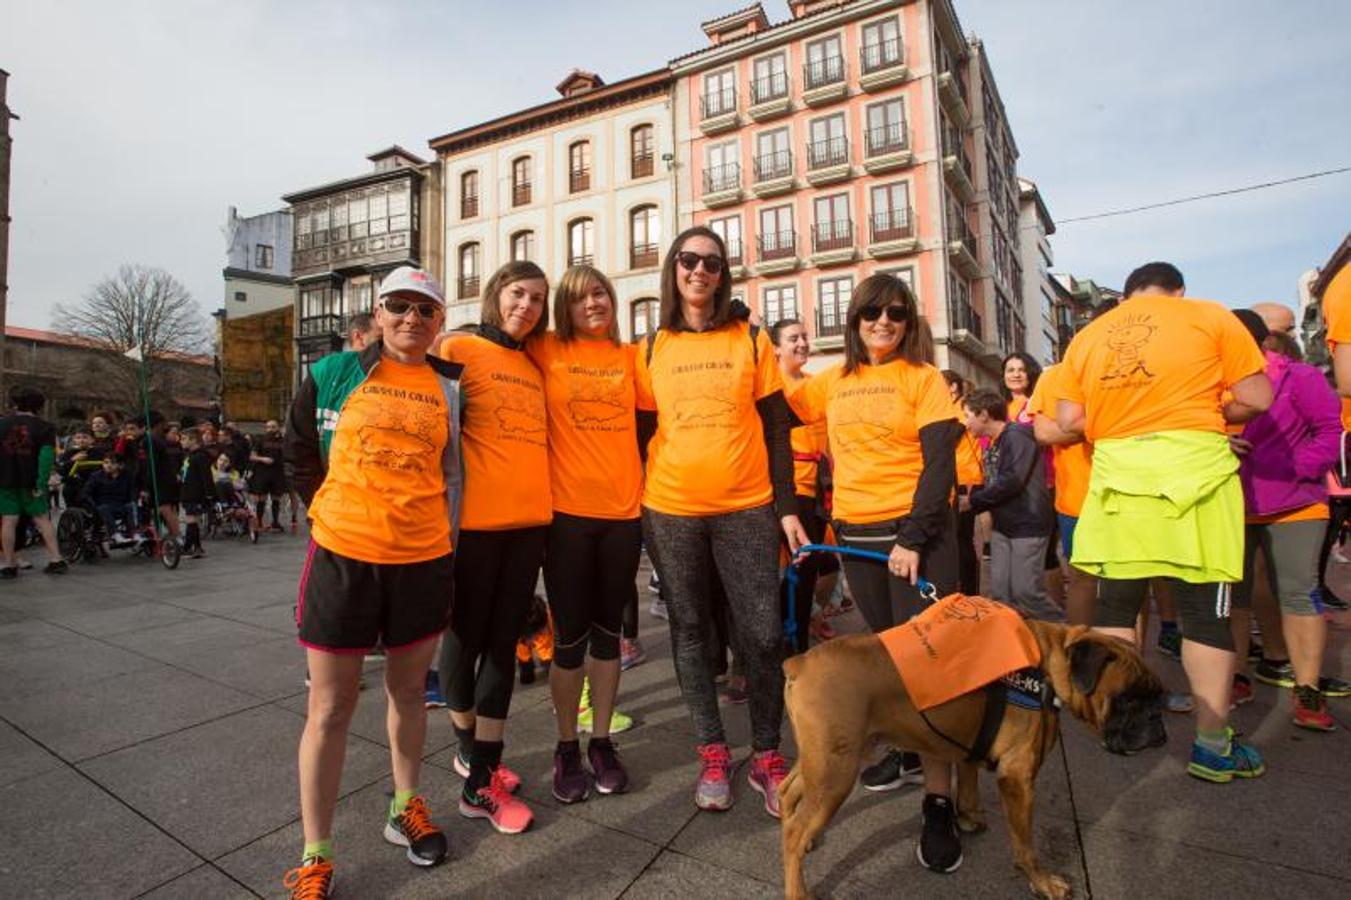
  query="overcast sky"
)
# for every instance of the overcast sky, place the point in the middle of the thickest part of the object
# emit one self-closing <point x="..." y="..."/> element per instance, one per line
<point x="142" y="122"/>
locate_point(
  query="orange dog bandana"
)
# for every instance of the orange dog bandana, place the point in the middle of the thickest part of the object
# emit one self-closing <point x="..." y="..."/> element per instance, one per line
<point x="958" y="645"/>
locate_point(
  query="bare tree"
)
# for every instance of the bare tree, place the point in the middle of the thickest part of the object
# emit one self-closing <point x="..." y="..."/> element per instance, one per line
<point x="139" y="306"/>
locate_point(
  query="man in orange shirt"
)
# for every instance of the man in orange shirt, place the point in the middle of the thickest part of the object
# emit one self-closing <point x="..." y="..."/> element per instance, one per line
<point x="372" y="446"/>
<point x="1144" y="383"/>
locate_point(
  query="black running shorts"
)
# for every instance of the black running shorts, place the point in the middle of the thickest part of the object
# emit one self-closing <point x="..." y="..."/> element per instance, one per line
<point x="346" y="605"/>
<point x="267" y="482"/>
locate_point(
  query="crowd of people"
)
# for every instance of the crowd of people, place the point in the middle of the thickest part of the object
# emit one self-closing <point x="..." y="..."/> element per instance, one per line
<point x="1177" y="455"/>
<point x="142" y="479"/>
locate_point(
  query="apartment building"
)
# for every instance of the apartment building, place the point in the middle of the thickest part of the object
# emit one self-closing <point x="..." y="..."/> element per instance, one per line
<point x="582" y="179"/>
<point x="1039" y="292"/>
<point x="856" y="137"/>
<point x="348" y="234"/>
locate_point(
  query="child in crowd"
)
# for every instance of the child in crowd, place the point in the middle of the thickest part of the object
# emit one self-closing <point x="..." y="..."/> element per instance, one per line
<point x="1015" y="494"/>
<point x="198" y="490"/>
<point x="112" y="492"/>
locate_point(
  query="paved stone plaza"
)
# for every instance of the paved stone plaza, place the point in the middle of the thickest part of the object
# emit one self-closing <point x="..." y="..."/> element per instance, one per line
<point x="148" y="730"/>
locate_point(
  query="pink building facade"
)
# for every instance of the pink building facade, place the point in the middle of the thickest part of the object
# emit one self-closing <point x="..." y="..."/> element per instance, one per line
<point x="839" y="144"/>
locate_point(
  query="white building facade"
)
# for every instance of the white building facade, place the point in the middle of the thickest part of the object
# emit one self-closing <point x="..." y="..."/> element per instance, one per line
<point x="257" y="269"/>
<point x="581" y="180"/>
<point x="1035" y="228"/>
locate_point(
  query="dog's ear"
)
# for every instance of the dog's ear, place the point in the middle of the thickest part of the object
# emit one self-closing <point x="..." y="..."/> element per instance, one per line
<point x="1087" y="660"/>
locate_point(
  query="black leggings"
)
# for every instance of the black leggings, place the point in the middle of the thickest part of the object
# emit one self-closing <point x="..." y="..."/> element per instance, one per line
<point x="883" y="599"/>
<point x="809" y="572"/>
<point x="968" y="563"/>
<point x="495" y="576"/>
<point x="590" y="573"/>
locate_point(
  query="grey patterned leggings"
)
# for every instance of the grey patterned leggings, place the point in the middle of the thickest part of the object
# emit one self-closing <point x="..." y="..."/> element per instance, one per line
<point x="744" y="548"/>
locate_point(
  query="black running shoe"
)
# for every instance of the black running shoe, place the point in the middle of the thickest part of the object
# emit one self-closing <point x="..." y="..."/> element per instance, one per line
<point x="60" y="567"/>
<point x="413" y="828"/>
<point x="895" y="769"/>
<point x="940" y="846"/>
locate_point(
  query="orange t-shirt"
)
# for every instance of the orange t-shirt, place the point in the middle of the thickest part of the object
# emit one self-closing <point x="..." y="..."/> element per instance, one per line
<point x="505" y="436"/>
<point x="708" y="455"/>
<point x="1314" y="512"/>
<point x="1158" y="364"/>
<point x="970" y="468"/>
<point x="1337" y="319"/>
<point x="594" y="469"/>
<point x="383" y="499"/>
<point x="958" y="645"/>
<point x="1073" y="462"/>
<point x="809" y="444"/>
<point x="873" y="418"/>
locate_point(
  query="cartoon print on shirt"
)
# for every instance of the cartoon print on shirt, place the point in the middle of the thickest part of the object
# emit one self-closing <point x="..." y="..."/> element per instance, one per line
<point x="1127" y="340"/>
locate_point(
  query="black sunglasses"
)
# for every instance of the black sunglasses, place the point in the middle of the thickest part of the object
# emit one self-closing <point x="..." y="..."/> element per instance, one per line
<point x="895" y="313"/>
<point x="397" y="306"/>
<point x="690" y="261"/>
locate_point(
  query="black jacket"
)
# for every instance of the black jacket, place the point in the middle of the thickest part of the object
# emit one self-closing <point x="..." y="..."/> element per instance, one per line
<point x="102" y="489"/>
<point x="1015" y="489"/>
<point x="199" y="485"/>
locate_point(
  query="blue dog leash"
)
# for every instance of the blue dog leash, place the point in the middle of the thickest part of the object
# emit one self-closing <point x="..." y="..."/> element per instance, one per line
<point x="927" y="591"/>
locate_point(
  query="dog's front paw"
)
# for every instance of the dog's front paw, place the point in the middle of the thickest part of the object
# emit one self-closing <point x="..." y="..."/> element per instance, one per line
<point x="1051" y="887"/>
<point x="971" y="823"/>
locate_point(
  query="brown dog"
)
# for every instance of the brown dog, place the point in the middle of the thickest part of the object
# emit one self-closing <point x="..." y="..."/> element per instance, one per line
<point x="845" y="693"/>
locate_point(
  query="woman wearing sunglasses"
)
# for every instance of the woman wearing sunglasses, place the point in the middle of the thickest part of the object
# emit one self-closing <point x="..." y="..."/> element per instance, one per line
<point x="504" y="523"/>
<point x="893" y="435"/>
<point x="719" y="489"/>
<point x="591" y="560"/>
<point x="381" y="480"/>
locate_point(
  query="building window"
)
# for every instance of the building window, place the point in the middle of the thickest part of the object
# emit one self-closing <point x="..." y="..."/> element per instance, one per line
<point x="828" y="145"/>
<point x="320" y="310"/>
<point x="262" y="256"/>
<point x="641" y="146"/>
<point x="469" y="271"/>
<point x="643" y="317"/>
<point x="723" y="172"/>
<point x="729" y="229"/>
<point x="891" y="215"/>
<point x="833" y="296"/>
<point x="644" y="236"/>
<point x="469" y="195"/>
<point x="825" y="63"/>
<point x="520" y="181"/>
<point x="523" y="246"/>
<point x="359" y="297"/>
<point x="579" y="167"/>
<point x="582" y="243"/>
<point x="358" y="211"/>
<point x="241" y="297"/>
<point x="719" y="93"/>
<point x="961" y="315"/>
<point x="770" y="78"/>
<point x="778" y="302"/>
<point x="881" y="45"/>
<point x="776" y="239"/>
<point x="886" y="128"/>
<point x="773" y="157"/>
<point x="833" y="228"/>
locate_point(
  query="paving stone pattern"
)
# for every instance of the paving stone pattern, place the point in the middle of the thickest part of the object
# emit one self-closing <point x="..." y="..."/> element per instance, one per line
<point x="148" y="730"/>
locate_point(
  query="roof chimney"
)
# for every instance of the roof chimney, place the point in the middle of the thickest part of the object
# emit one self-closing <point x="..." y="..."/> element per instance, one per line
<point x="734" y="25"/>
<point x="801" y="8"/>
<point x="579" y="82"/>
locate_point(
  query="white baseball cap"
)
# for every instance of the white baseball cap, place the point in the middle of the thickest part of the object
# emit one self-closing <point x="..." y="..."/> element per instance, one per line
<point x="406" y="279"/>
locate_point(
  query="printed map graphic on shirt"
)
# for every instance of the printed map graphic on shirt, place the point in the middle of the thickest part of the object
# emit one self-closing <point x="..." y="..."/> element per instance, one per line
<point x="400" y="442"/>
<point x="865" y="419"/>
<point x="698" y="403"/>
<point x="595" y="403"/>
<point x="1127" y="341"/>
<point x="517" y="415"/>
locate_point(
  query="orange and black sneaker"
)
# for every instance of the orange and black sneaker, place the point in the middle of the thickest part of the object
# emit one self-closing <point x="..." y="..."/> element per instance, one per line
<point x="312" y="881"/>
<point x="413" y="829"/>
